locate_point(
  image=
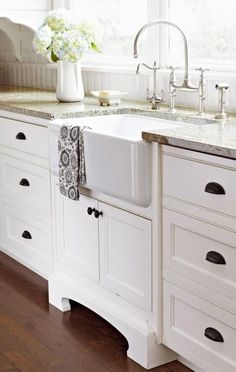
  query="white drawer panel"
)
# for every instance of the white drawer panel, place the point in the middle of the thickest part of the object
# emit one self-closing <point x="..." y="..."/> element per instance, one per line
<point x="200" y="251"/>
<point x="26" y="239"/>
<point x="26" y="183"/>
<point x="187" y="321"/>
<point x="24" y="137"/>
<point x="187" y="180"/>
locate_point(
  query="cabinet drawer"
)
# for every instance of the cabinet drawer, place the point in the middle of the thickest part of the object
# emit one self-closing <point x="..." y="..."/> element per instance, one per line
<point x="29" y="138"/>
<point x="199" y="330"/>
<point x="26" y="183"/>
<point x="26" y="239"/>
<point x="199" y="183"/>
<point x="200" y="251"/>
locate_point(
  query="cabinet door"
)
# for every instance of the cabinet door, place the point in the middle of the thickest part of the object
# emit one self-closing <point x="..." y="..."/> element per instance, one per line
<point x="125" y="255"/>
<point x="77" y="236"/>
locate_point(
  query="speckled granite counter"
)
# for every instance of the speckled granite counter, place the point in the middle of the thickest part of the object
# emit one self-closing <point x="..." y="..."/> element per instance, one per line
<point x="43" y="104"/>
<point x="204" y="135"/>
<point x="217" y="139"/>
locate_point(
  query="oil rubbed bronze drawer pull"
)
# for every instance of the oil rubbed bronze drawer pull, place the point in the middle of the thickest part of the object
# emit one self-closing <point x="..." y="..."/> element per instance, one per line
<point x="214" y="188"/>
<point x="215" y="258"/>
<point x="26" y="235"/>
<point x="24" y="182"/>
<point x="20" y="136"/>
<point x="213" y="335"/>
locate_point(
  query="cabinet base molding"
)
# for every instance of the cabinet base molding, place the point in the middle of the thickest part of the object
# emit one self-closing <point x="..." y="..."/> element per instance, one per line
<point x="138" y="331"/>
<point x="22" y="261"/>
<point x="190" y="365"/>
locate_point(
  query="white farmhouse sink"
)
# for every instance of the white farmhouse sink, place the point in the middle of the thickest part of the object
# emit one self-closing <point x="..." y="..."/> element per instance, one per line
<point x="118" y="162"/>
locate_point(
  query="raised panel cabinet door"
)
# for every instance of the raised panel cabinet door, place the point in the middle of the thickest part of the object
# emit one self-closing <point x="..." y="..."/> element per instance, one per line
<point x="77" y="235"/>
<point x="125" y="255"/>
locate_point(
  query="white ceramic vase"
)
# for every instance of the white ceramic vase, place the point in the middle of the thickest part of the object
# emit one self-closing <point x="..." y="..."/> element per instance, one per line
<point x="69" y="82"/>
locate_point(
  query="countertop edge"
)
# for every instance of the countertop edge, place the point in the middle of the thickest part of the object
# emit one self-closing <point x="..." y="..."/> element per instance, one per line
<point x="187" y="144"/>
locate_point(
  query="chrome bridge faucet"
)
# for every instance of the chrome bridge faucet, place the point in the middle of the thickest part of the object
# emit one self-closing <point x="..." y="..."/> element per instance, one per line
<point x="186" y="85"/>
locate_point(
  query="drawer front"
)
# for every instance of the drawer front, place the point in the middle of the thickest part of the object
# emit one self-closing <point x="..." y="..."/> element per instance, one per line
<point x="26" y="183"/>
<point x="27" y="239"/>
<point x="199" y="330"/>
<point x="199" y="183"/>
<point x="200" y="251"/>
<point x="29" y="138"/>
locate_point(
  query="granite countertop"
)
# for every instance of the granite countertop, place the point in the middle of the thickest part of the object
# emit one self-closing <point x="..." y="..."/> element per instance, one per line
<point x="204" y="135"/>
<point x="217" y="139"/>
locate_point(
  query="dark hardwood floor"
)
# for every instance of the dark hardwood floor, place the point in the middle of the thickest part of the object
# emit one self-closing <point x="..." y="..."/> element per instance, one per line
<point x="35" y="336"/>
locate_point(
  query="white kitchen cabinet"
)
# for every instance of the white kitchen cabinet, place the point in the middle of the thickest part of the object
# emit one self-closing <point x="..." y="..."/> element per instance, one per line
<point x="113" y="249"/>
<point x="125" y="255"/>
<point x="25" y="213"/>
<point x="106" y="264"/>
<point x="199" y="252"/>
<point x="77" y="235"/>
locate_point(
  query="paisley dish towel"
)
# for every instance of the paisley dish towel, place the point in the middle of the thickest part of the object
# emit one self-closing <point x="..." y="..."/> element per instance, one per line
<point x="72" y="171"/>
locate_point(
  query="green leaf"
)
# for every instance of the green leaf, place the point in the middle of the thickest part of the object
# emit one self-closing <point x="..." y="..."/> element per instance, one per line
<point x="54" y="58"/>
<point x="95" y="48"/>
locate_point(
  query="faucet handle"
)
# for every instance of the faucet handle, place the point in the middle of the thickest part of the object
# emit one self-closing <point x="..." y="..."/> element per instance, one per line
<point x="202" y="70"/>
<point x="173" y="68"/>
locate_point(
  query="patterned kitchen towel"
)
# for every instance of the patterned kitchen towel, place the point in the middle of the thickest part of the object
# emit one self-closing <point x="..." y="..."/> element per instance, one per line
<point x="71" y="161"/>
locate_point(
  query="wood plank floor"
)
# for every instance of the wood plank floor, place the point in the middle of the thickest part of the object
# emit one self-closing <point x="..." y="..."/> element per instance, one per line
<point x="35" y="336"/>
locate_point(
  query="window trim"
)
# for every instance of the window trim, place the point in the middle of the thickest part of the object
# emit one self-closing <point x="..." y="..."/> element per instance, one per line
<point x="156" y="9"/>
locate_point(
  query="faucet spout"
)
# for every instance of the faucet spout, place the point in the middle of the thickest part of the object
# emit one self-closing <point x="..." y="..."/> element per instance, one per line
<point x="186" y="82"/>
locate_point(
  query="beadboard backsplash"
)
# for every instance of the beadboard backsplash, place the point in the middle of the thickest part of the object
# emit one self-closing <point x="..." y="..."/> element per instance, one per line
<point x="35" y="71"/>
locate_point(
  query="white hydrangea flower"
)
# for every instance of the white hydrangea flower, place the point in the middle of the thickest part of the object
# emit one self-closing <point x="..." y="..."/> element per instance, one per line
<point x="69" y="45"/>
<point x="42" y="40"/>
<point x="60" y="39"/>
<point x="93" y="32"/>
<point x="58" y="19"/>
